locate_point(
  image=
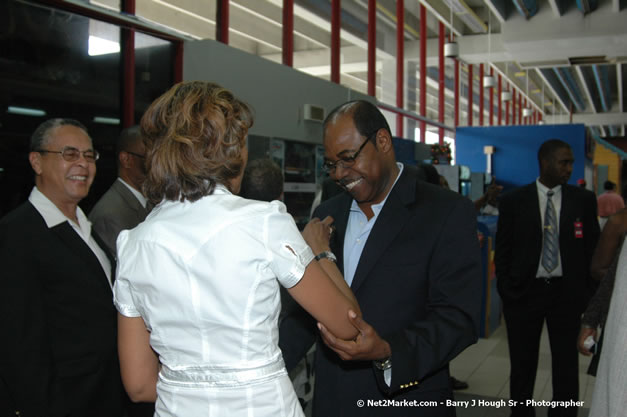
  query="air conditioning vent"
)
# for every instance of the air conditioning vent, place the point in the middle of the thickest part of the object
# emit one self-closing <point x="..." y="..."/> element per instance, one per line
<point x="313" y="113"/>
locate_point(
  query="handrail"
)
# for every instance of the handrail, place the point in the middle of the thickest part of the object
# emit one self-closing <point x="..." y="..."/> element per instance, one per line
<point x="414" y="116"/>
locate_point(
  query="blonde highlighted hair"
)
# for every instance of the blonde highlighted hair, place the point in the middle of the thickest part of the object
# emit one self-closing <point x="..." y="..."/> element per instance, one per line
<point x="194" y="136"/>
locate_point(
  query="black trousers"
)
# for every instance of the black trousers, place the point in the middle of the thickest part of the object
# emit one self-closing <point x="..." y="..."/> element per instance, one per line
<point x="524" y="319"/>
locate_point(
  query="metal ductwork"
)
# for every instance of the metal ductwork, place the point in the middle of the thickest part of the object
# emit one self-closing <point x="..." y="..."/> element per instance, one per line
<point x="527" y="8"/>
<point x="569" y="84"/>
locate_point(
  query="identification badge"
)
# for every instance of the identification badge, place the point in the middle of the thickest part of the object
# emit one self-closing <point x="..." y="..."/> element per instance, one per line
<point x="578" y="230"/>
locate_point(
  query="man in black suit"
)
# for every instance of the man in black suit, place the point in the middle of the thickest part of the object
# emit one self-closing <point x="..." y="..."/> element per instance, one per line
<point x="410" y="252"/>
<point x="546" y="234"/>
<point x="58" y="355"/>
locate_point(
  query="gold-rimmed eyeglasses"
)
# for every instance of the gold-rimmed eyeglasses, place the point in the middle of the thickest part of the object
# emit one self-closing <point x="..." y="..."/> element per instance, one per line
<point x="71" y="154"/>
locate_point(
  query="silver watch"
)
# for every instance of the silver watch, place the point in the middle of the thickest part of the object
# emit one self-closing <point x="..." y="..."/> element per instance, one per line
<point x="326" y="254"/>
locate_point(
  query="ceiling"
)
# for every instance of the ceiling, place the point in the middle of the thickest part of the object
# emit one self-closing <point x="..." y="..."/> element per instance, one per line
<point x="566" y="56"/>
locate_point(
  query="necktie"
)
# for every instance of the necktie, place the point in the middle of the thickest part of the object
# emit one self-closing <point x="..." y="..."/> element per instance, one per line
<point x="549" y="242"/>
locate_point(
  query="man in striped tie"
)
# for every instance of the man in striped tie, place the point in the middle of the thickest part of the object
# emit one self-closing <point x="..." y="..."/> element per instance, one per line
<point x="546" y="234"/>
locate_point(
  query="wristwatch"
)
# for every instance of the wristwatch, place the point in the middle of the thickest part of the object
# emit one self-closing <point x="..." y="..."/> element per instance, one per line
<point x="326" y="254"/>
<point x="384" y="364"/>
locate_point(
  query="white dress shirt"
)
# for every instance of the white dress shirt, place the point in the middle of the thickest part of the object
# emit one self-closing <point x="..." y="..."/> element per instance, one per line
<point x="53" y="217"/>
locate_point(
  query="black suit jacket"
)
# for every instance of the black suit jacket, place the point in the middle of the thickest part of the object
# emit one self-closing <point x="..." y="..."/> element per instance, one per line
<point x="58" y="356"/>
<point x="519" y="242"/>
<point x="418" y="284"/>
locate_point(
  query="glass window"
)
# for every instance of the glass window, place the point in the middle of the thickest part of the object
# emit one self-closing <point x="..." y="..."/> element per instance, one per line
<point x="54" y="64"/>
<point x="152" y="77"/>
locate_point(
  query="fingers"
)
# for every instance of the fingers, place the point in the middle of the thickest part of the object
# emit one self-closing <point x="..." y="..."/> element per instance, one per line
<point x="328" y="221"/>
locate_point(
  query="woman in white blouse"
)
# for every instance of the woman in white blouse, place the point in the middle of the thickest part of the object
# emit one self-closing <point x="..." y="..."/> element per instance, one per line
<point x="197" y="285"/>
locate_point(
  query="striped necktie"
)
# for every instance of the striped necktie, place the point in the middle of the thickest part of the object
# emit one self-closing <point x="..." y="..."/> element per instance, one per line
<point x="549" y="243"/>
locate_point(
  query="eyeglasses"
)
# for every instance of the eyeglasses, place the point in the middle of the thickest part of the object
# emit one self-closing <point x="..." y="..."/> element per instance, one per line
<point x="71" y="154"/>
<point x="136" y="154"/>
<point x="347" y="161"/>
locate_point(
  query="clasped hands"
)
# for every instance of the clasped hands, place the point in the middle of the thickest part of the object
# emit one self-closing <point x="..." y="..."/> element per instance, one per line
<point x="367" y="346"/>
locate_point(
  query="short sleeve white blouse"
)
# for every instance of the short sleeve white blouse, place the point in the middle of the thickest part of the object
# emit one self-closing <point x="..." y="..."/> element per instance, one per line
<point x="204" y="277"/>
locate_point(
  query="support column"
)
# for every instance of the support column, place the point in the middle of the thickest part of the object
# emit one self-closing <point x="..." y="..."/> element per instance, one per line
<point x="470" y="82"/>
<point x="491" y="101"/>
<point x="400" y="63"/>
<point x="372" y="47"/>
<point x="500" y="100"/>
<point x="335" y="41"/>
<point x="481" y="97"/>
<point x="288" y="33"/>
<point x="222" y="21"/>
<point x="514" y="112"/>
<point x="178" y="61"/>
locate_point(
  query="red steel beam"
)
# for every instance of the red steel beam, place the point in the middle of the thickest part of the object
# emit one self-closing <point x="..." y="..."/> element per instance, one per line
<point x="372" y="47"/>
<point x="400" y="63"/>
<point x="470" y="82"/>
<point x="491" y="92"/>
<point x="178" y="61"/>
<point x="500" y="101"/>
<point x="335" y="41"/>
<point x="507" y="107"/>
<point x="481" y="97"/>
<point x="287" y="52"/>
<point x="222" y="21"/>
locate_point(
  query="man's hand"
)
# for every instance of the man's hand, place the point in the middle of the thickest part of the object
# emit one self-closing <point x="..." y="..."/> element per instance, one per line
<point x="583" y="335"/>
<point x="367" y="346"/>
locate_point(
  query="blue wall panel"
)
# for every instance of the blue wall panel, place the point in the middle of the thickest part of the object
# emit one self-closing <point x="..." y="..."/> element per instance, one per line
<point x="515" y="158"/>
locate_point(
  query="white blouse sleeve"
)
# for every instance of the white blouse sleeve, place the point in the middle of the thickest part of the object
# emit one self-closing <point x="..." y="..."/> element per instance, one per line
<point x="122" y="288"/>
<point x="289" y="254"/>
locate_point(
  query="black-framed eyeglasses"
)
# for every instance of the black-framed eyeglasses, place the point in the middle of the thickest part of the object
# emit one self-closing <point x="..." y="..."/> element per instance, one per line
<point x="347" y="161"/>
<point x="136" y="154"/>
<point x="71" y="154"/>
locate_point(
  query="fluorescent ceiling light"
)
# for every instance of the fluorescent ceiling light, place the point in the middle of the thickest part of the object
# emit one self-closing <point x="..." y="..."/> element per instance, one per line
<point x="99" y="46"/>
<point x="106" y="120"/>
<point x="25" y="111"/>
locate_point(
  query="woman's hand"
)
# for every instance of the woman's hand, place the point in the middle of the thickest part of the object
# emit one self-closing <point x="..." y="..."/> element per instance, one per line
<point x="317" y="234"/>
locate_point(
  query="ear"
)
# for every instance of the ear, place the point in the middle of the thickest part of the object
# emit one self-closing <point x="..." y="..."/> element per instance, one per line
<point x="384" y="141"/>
<point x="124" y="159"/>
<point x="35" y="162"/>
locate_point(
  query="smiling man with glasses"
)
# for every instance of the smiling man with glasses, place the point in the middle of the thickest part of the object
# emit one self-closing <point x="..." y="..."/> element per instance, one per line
<point x="410" y="254"/>
<point x="59" y="354"/>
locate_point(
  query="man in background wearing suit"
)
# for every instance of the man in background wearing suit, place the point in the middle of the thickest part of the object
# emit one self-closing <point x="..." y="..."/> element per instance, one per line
<point x="58" y="355"/>
<point x="546" y="235"/>
<point x="123" y="206"/>
<point x="410" y="253"/>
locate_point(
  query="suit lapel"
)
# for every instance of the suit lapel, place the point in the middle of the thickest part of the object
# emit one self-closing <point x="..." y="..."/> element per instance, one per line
<point x="535" y="207"/>
<point x="131" y="200"/>
<point x="566" y="215"/>
<point x="340" y="223"/>
<point x="77" y="246"/>
<point x="389" y="223"/>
